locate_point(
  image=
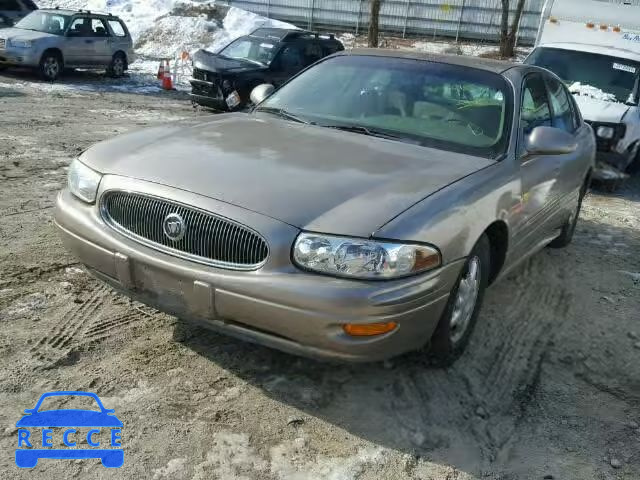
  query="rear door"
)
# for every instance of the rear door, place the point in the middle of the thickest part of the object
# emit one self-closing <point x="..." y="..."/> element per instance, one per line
<point x="289" y="61"/>
<point x="87" y="42"/>
<point x="101" y="42"/>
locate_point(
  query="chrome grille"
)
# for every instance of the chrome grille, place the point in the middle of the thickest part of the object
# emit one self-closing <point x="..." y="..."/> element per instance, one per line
<point x="208" y="238"/>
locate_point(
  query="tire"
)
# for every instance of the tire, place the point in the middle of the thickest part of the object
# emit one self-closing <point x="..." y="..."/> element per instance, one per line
<point x="118" y="65"/>
<point x="51" y="66"/>
<point x="569" y="228"/>
<point x="456" y="324"/>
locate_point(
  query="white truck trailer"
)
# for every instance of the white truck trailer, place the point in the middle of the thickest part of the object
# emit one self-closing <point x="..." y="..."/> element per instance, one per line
<point x="594" y="46"/>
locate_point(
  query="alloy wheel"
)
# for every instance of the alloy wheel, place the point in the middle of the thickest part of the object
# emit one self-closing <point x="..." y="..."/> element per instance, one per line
<point x="51" y="68"/>
<point x="465" y="301"/>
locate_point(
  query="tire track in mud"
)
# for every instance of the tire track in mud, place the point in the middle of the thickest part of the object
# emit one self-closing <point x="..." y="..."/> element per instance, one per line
<point x="98" y="317"/>
<point x="499" y="373"/>
<point x="510" y="374"/>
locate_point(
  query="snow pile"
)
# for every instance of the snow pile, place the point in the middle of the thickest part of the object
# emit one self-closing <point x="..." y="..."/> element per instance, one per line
<point x="169" y="35"/>
<point x="239" y="22"/>
<point x="592" y="92"/>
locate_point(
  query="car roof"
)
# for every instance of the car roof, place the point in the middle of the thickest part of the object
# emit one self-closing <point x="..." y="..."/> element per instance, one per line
<point x="66" y="11"/>
<point x="598" y="49"/>
<point x="287" y="34"/>
<point x="488" y="64"/>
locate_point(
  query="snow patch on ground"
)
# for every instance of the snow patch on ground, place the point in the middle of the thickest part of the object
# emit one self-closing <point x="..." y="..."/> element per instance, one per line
<point x="173" y="469"/>
<point x="25" y="305"/>
<point x="233" y="457"/>
<point x="592" y="92"/>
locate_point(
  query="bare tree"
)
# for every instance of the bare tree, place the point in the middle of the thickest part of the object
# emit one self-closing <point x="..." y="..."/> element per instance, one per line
<point x="374" y="22"/>
<point x="508" y="33"/>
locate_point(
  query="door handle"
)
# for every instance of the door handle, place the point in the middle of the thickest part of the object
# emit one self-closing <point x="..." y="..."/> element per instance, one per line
<point x="88" y="41"/>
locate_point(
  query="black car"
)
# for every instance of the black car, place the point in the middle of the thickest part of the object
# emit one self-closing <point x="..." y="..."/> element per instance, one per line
<point x="13" y="10"/>
<point x="224" y="80"/>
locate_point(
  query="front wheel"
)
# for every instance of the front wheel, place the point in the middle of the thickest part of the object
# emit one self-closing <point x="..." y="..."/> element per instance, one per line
<point x="50" y="66"/>
<point x="461" y="313"/>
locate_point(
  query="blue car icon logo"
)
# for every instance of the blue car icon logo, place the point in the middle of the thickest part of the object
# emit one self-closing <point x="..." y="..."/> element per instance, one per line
<point x="32" y="447"/>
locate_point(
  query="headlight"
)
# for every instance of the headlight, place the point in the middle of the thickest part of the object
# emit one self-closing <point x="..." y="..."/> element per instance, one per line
<point x="83" y="181"/>
<point x="20" y="43"/>
<point x="360" y="258"/>
<point x="606" y="132"/>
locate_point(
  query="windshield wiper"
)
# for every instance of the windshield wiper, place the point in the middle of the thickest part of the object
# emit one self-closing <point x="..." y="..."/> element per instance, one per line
<point x="282" y="113"/>
<point x="372" y="132"/>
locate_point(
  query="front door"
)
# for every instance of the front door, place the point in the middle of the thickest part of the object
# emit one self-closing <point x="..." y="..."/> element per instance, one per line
<point x="539" y="174"/>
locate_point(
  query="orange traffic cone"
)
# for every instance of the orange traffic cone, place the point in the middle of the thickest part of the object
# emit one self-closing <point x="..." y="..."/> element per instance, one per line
<point x="167" y="83"/>
<point x="161" y="70"/>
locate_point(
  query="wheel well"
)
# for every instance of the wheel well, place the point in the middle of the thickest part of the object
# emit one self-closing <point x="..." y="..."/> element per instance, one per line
<point x="498" y="235"/>
<point x="53" y="50"/>
<point x="120" y="52"/>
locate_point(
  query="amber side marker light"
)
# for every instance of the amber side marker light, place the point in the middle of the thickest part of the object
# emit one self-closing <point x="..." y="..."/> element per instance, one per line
<point x="604" y="27"/>
<point x="368" y="329"/>
<point x="591" y="25"/>
<point x="617" y="29"/>
<point x="553" y="20"/>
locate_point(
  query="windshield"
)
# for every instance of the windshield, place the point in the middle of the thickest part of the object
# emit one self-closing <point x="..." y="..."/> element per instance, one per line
<point x="614" y="76"/>
<point x="47" y="22"/>
<point x="438" y="105"/>
<point x="252" y="49"/>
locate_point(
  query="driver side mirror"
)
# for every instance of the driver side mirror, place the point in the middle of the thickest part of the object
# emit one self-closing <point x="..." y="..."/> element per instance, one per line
<point x="549" y="141"/>
<point x="261" y="93"/>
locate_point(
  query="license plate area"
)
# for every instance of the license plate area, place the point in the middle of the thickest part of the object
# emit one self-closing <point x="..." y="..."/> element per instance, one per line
<point x="172" y="293"/>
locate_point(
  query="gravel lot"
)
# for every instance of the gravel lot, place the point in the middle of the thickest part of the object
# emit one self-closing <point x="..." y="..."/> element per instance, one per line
<point x="549" y="388"/>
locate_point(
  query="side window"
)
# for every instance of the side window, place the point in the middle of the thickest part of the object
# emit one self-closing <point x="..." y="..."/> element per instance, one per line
<point x="563" y="115"/>
<point x="99" y="28"/>
<point x="88" y="27"/>
<point x="312" y="53"/>
<point x="117" y="28"/>
<point x="291" y="58"/>
<point x="535" y="111"/>
<point x="80" y="27"/>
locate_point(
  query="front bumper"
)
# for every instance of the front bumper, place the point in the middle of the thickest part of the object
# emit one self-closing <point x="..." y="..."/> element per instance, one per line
<point x="24" y="57"/>
<point x="278" y="305"/>
<point x="207" y="94"/>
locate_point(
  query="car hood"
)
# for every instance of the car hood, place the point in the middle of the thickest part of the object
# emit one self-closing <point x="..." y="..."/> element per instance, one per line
<point x="22" y="34"/>
<point x="310" y="177"/>
<point x="595" y="110"/>
<point x="69" y="418"/>
<point x="212" y="62"/>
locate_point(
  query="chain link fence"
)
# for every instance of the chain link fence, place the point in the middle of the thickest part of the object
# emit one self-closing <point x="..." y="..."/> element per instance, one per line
<point x="459" y="19"/>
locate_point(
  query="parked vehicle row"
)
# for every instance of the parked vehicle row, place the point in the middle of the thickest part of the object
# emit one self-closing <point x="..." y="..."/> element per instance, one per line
<point x="356" y="213"/>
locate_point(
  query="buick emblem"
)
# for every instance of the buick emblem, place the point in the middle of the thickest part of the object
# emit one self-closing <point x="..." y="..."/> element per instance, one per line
<point x="174" y="227"/>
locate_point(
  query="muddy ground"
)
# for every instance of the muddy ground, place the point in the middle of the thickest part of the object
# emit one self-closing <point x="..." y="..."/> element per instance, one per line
<point x="549" y="388"/>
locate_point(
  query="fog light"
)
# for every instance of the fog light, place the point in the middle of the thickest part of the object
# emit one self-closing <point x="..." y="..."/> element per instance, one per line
<point x="368" y="329"/>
